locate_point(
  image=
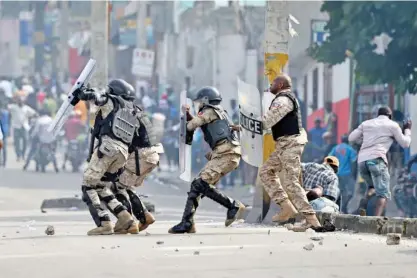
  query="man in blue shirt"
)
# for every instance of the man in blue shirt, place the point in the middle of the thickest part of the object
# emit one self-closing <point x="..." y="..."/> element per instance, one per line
<point x="317" y="141"/>
<point x="347" y="156"/>
<point x="5" y="120"/>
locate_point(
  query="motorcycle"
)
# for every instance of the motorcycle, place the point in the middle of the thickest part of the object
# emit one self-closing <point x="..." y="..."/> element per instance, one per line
<point x="43" y="156"/>
<point x="75" y="155"/>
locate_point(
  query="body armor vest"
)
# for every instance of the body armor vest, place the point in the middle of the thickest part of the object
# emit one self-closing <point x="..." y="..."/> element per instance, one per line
<point x="145" y="136"/>
<point x="291" y="123"/>
<point x="120" y="124"/>
<point x="219" y="129"/>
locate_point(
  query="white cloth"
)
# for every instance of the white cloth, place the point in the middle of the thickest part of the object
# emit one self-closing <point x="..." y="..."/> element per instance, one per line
<point x="7" y="86"/>
<point x="376" y="136"/>
<point x="20" y="115"/>
<point x="147" y="102"/>
<point x="41" y="129"/>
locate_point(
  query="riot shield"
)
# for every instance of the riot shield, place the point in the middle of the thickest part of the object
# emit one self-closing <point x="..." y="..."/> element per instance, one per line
<point x="184" y="149"/>
<point x="250" y="119"/>
<point x="68" y="105"/>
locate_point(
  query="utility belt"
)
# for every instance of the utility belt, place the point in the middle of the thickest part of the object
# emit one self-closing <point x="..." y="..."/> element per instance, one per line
<point x="112" y="177"/>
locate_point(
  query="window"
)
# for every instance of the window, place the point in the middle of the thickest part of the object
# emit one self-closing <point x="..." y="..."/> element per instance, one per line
<point x="315" y="103"/>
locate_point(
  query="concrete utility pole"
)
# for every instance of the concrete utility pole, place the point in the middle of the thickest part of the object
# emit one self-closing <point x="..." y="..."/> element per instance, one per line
<point x="63" y="48"/>
<point x="99" y="41"/>
<point x="276" y="58"/>
<point x="39" y="35"/>
<point x="140" y="24"/>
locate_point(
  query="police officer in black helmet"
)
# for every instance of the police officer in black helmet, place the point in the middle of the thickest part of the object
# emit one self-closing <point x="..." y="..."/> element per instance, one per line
<point x="114" y="128"/>
<point x="219" y="133"/>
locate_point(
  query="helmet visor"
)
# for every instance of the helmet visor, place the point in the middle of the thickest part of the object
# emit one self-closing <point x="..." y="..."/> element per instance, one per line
<point x="198" y="104"/>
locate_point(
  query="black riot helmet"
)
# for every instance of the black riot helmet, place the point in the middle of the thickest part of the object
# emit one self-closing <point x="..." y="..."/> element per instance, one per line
<point x="208" y="95"/>
<point x="121" y="88"/>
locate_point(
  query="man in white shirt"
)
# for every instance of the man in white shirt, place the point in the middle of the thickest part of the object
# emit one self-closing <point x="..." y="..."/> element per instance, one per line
<point x="20" y="113"/>
<point x="376" y="136"/>
<point x="41" y="135"/>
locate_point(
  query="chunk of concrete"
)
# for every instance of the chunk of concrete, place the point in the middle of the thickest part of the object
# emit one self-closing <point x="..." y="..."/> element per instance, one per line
<point x="393" y="239"/>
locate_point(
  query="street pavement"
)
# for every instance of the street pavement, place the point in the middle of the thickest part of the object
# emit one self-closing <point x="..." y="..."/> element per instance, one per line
<point x="215" y="251"/>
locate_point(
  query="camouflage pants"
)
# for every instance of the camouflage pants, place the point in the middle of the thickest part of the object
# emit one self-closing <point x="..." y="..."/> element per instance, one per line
<point x="219" y="166"/>
<point x="147" y="163"/>
<point x="97" y="189"/>
<point x="280" y="176"/>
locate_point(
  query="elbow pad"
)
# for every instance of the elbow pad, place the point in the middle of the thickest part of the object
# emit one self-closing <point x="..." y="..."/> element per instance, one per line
<point x="189" y="137"/>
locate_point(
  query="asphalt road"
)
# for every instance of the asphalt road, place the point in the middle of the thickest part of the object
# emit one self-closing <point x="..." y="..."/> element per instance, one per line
<point x="215" y="251"/>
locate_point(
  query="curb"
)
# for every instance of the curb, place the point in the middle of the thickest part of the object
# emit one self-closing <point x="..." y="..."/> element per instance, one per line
<point x="358" y="224"/>
<point x="371" y="224"/>
<point x="77" y="204"/>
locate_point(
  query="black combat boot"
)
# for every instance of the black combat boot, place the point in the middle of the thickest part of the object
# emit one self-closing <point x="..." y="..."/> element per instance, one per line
<point x="187" y="223"/>
<point x="139" y="210"/>
<point x="235" y="208"/>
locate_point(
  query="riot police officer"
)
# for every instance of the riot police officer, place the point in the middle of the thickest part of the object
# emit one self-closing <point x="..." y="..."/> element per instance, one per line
<point x="224" y="158"/>
<point x="114" y="128"/>
<point x="143" y="159"/>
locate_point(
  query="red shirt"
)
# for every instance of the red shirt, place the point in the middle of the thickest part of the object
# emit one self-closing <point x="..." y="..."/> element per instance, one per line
<point x="73" y="127"/>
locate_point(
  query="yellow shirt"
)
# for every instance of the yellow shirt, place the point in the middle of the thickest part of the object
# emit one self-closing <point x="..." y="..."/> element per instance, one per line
<point x="82" y="107"/>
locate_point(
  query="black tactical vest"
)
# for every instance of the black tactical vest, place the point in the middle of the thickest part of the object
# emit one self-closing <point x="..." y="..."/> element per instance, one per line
<point x="291" y="123"/>
<point x="145" y="136"/>
<point x="104" y="126"/>
<point x="219" y="129"/>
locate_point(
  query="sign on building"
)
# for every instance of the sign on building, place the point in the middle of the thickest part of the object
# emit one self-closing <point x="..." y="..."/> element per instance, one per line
<point x="318" y="32"/>
<point x="142" y="62"/>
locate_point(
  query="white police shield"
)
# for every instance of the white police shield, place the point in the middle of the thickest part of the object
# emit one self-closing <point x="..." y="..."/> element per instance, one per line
<point x="184" y="149"/>
<point x="67" y="106"/>
<point x="250" y="119"/>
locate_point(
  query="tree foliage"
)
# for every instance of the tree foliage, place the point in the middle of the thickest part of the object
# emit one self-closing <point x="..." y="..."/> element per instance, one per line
<point x="354" y="24"/>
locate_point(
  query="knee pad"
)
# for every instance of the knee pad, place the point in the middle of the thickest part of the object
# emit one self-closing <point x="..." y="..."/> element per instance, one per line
<point x="198" y="187"/>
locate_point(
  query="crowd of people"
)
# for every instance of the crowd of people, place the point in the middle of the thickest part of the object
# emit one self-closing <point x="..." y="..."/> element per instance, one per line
<point x="27" y="107"/>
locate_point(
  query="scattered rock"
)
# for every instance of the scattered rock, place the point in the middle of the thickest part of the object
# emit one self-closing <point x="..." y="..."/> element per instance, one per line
<point x="118" y="246"/>
<point x="241" y="247"/>
<point x="270" y="253"/>
<point x="17" y="232"/>
<point x="50" y="230"/>
<point x="159" y="242"/>
<point x="176" y="250"/>
<point x="113" y="247"/>
<point x="201" y="242"/>
<point x="317" y="238"/>
<point x="393" y="239"/>
<point x="309" y="247"/>
<point x="320" y="242"/>
<point x="196" y="253"/>
<point x="3" y="236"/>
<point x="102" y="247"/>
<point x="370" y="263"/>
<point x="310" y="231"/>
<point x="345" y="244"/>
<point x="269" y="232"/>
<point x="147" y="234"/>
